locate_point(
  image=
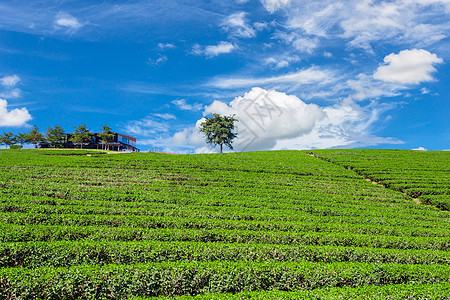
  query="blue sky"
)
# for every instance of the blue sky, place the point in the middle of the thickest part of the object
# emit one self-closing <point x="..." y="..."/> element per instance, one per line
<point x="297" y="74"/>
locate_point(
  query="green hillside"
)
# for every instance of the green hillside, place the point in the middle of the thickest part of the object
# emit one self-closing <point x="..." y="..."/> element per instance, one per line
<point x="261" y="225"/>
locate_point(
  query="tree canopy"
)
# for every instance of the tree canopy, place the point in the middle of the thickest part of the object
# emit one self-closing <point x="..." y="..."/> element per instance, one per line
<point x="55" y="136"/>
<point x="106" y="136"/>
<point x="21" y="138"/>
<point x="8" y="139"/>
<point x="218" y="130"/>
<point x="34" y="136"/>
<point x="81" y="135"/>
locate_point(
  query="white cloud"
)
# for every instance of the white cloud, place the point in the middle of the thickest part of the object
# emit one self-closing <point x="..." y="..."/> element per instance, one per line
<point x="260" y="26"/>
<point x="282" y="61"/>
<point x="270" y="120"/>
<point x="408" y="67"/>
<point x="148" y="126"/>
<point x="274" y="5"/>
<point x="9" y="81"/>
<point x="157" y="61"/>
<point x="327" y="54"/>
<point x="68" y="22"/>
<point x="305" y="44"/>
<point x="213" y="50"/>
<point x="361" y="23"/>
<point x="14" y="93"/>
<point x="166" y="46"/>
<point x="166" y="116"/>
<point x="264" y="117"/>
<point x="181" y="104"/>
<point x="298" y="41"/>
<point x="237" y="25"/>
<point x="425" y="91"/>
<point x="313" y="75"/>
<point x="13" y="118"/>
<point x="420" y="149"/>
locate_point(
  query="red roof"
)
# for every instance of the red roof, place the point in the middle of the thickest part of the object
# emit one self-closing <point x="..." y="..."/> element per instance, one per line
<point x="128" y="137"/>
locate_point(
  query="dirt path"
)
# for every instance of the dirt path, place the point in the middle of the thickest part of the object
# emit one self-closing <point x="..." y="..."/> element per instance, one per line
<point x="416" y="200"/>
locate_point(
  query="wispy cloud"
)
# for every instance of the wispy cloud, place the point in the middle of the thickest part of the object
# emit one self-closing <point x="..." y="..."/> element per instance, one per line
<point x="214" y="50"/>
<point x="150" y="126"/>
<point x="274" y="5"/>
<point x="9" y="81"/>
<point x="67" y="22"/>
<point x="312" y="75"/>
<point x="237" y="26"/>
<point x="8" y="84"/>
<point x="166" y="116"/>
<point x="362" y="23"/>
<point x="166" y="46"/>
<point x="157" y="61"/>
<point x="183" y="105"/>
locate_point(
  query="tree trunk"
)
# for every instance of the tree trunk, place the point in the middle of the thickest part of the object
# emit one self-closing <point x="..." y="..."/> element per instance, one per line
<point x="221" y="148"/>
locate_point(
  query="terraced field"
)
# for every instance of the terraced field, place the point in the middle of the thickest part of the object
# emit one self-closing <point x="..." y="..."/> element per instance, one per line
<point x="262" y="225"/>
<point x="421" y="175"/>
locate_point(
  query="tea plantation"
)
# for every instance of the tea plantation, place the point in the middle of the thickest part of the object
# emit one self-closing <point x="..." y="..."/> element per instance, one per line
<point x="261" y="225"/>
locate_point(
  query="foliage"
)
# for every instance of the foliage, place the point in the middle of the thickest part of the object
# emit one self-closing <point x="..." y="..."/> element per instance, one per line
<point x="81" y="136"/>
<point x="35" y="137"/>
<point x="55" y="136"/>
<point x="106" y="136"/>
<point x="422" y="175"/>
<point x="8" y="139"/>
<point x="21" y="138"/>
<point x="218" y="130"/>
<point x="264" y="225"/>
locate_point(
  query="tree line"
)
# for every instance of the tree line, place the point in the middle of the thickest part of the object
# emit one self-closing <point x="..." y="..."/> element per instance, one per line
<point x="56" y="136"/>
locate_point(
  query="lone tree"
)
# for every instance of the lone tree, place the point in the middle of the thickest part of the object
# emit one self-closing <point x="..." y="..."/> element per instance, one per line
<point x="55" y="136"/>
<point x="218" y="130"/>
<point x="107" y="136"/>
<point x="81" y="135"/>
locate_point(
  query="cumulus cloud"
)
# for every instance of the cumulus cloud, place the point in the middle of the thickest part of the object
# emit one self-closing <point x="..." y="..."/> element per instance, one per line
<point x="419" y="149"/>
<point x="183" y="105"/>
<point x="408" y="67"/>
<point x="270" y="120"/>
<point x="9" y="81"/>
<point x="213" y="50"/>
<point x="13" y="118"/>
<point x="64" y="20"/>
<point x="274" y="5"/>
<point x="237" y="25"/>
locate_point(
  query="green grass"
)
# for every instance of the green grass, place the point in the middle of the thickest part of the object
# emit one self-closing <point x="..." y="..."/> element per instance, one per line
<point x="262" y="225"/>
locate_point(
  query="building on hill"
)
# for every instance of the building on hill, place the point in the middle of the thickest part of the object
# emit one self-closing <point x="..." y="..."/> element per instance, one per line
<point x="120" y="142"/>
